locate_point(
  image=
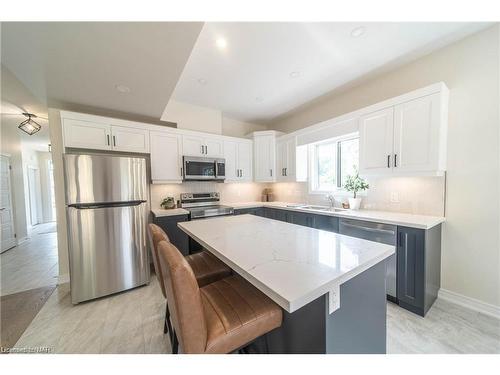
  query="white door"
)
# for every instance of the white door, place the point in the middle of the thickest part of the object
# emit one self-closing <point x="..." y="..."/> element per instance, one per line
<point x="376" y="142"/>
<point x="416" y="135"/>
<point x="130" y="139"/>
<point x="166" y="158"/>
<point x="34" y="195"/>
<point x="214" y="148"/>
<point x="7" y="229"/>
<point x="245" y="161"/>
<point x="264" y="156"/>
<point x="86" y="134"/>
<point x="193" y="146"/>
<point x="231" y="156"/>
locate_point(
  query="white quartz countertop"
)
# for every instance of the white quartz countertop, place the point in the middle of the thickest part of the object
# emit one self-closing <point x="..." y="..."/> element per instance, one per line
<point x="292" y="264"/>
<point x="159" y="212"/>
<point x="395" y="218"/>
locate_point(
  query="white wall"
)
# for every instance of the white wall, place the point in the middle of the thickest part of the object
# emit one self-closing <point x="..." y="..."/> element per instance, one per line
<point x="207" y="120"/>
<point x="470" y="68"/>
<point x="11" y="145"/>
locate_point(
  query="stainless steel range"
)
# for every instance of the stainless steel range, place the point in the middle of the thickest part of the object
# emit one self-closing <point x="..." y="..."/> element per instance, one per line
<point x="203" y="205"/>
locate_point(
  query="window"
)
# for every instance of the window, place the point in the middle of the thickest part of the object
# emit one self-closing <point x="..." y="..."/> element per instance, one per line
<point x="332" y="161"/>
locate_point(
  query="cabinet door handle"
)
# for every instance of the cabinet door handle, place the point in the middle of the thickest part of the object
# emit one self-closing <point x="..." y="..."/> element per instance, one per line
<point x="206" y="149"/>
<point x="108" y="139"/>
<point x="395" y="160"/>
<point x="286" y="172"/>
<point x="181" y="172"/>
<point x="114" y="141"/>
<point x="241" y="172"/>
<point x="271" y="172"/>
<point x="388" y="161"/>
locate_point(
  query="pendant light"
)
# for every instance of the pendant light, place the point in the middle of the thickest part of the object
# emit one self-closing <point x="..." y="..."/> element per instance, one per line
<point x="29" y="126"/>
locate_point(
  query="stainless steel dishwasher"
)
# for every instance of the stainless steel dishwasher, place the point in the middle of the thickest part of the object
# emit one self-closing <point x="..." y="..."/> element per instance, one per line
<point x="383" y="233"/>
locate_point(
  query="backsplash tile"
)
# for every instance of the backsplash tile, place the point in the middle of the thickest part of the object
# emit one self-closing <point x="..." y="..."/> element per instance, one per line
<point x="414" y="195"/>
<point x="230" y="192"/>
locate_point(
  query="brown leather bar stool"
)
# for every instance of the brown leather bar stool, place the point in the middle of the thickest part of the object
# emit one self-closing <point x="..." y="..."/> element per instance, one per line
<point x="207" y="269"/>
<point x="218" y="318"/>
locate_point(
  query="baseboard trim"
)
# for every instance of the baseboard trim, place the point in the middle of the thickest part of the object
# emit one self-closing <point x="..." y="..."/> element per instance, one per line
<point x="471" y="303"/>
<point x="63" y="279"/>
<point x="22" y="240"/>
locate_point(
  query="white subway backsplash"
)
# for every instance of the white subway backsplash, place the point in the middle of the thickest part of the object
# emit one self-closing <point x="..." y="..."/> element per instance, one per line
<point x="413" y="195"/>
<point x="230" y="192"/>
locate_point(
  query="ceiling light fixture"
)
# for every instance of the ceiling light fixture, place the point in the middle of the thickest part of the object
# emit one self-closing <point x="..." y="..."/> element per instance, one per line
<point x="29" y="126"/>
<point x="357" y="32"/>
<point x="122" y="89"/>
<point x="221" y="43"/>
<point x="294" y="74"/>
<point x="202" y="81"/>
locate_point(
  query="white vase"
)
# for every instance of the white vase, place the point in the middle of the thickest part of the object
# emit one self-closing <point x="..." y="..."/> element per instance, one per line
<point x="354" y="203"/>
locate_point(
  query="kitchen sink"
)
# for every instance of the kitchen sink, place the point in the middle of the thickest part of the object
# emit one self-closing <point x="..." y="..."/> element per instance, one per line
<point x="316" y="208"/>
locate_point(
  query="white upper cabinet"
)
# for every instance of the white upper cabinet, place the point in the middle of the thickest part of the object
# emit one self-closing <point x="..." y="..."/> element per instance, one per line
<point x="130" y="139"/>
<point x="238" y="155"/>
<point x="376" y="131"/>
<point x="86" y="134"/>
<point x="407" y="138"/>
<point x="264" y="156"/>
<point x="417" y="135"/>
<point x="286" y="158"/>
<point x="166" y="158"/>
<point x="193" y="145"/>
<point x="245" y="161"/>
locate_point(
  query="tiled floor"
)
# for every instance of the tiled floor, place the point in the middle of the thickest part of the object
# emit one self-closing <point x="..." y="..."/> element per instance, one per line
<point x="132" y="322"/>
<point x="33" y="264"/>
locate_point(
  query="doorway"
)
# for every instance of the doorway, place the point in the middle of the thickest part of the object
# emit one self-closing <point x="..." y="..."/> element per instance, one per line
<point x="7" y="226"/>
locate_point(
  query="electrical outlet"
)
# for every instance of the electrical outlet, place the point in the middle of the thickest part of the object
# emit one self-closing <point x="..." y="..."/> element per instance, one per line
<point x="394" y="197"/>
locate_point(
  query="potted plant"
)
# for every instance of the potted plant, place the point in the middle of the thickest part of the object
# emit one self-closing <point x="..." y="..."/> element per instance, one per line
<point x="354" y="184"/>
<point x="168" y="203"/>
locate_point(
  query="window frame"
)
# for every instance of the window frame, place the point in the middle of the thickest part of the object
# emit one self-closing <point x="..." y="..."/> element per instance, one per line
<point x="313" y="165"/>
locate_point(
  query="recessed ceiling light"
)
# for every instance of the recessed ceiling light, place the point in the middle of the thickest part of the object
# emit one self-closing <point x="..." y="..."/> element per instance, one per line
<point x="202" y="81"/>
<point x="122" y="88"/>
<point x="258" y="99"/>
<point x="221" y="43"/>
<point x="294" y="74"/>
<point x="357" y="32"/>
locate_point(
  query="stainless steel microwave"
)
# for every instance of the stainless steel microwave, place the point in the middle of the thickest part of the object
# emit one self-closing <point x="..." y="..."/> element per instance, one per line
<point x="203" y="169"/>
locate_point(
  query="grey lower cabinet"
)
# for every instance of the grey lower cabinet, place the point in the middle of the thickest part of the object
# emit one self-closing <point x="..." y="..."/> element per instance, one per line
<point x="174" y="233"/>
<point x="324" y="222"/>
<point x="418" y="268"/>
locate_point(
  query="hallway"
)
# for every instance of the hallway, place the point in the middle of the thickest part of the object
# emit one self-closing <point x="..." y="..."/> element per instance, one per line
<point x="28" y="277"/>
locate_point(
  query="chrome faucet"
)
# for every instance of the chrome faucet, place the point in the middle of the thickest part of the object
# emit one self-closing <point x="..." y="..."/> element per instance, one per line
<point x="331" y="198"/>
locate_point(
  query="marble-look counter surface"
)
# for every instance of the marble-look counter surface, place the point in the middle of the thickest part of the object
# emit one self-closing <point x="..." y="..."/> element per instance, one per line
<point x="292" y="264"/>
<point x="160" y="212"/>
<point x="385" y="217"/>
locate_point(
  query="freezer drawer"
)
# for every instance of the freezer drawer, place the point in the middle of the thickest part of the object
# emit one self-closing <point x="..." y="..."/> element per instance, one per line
<point x="107" y="250"/>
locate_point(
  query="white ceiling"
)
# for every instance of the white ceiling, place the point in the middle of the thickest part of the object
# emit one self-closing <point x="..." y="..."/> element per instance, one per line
<point x="81" y="63"/>
<point x="250" y="79"/>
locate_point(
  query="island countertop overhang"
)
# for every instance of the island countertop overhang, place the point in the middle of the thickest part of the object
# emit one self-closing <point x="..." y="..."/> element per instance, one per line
<point x="291" y="264"/>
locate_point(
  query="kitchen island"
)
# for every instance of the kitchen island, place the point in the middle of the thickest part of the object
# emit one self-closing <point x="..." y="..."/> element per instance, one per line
<point x="331" y="287"/>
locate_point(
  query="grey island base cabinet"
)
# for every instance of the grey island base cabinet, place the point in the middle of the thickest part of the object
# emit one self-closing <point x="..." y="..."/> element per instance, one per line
<point x="176" y="236"/>
<point x="418" y="255"/>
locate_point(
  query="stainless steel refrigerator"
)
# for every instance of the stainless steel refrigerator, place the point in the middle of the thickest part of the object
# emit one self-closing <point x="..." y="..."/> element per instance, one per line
<point x="106" y="199"/>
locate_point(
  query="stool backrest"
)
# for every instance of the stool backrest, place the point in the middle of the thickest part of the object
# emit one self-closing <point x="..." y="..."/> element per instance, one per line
<point x="156" y="235"/>
<point x="184" y="299"/>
